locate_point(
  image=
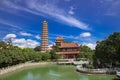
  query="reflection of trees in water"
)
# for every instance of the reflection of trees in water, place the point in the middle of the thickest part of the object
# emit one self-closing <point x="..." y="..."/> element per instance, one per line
<point x="116" y="79"/>
<point x="53" y="73"/>
<point x="84" y="78"/>
<point x="31" y="76"/>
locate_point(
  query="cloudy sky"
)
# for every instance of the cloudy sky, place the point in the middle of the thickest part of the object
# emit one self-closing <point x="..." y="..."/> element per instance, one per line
<point x="82" y="21"/>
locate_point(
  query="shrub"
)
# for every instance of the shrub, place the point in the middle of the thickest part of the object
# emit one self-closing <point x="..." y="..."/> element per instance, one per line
<point x="91" y="66"/>
<point x="45" y="56"/>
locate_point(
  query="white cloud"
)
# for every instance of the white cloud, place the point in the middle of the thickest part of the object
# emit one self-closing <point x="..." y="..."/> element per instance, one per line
<point x="51" y="42"/>
<point x="9" y="36"/>
<point x="71" y="12"/>
<point x="37" y="37"/>
<point x="50" y="47"/>
<point x="23" y="43"/>
<point x="46" y="8"/>
<point x="71" y="37"/>
<point x="85" y="34"/>
<point x="91" y="45"/>
<point x="72" y="22"/>
<point x="22" y="40"/>
<point x="25" y="34"/>
<point x="82" y="36"/>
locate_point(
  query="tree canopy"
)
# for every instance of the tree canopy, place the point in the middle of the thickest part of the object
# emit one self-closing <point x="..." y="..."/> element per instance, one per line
<point x="108" y="50"/>
<point x="53" y="52"/>
<point x="37" y="48"/>
<point x="11" y="55"/>
<point x="85" y="52"/>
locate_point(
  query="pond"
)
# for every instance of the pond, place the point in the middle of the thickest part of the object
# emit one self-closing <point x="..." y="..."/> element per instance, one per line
<point x="53" y="72"/>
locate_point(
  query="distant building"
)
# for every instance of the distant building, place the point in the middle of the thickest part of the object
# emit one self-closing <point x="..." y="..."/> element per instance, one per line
<point x="67" y="50"/>
<point x="44" y="37"/>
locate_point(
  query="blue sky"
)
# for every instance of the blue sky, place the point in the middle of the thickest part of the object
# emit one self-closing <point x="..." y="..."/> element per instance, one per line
<point x="81" y="21"/>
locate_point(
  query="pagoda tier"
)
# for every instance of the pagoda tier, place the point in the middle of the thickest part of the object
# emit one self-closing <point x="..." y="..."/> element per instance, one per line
<point x="44" y="37"/>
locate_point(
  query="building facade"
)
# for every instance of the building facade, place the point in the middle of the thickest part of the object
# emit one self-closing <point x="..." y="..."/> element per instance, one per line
<point x="44" y="37"/>
<point x="67" y="50"/>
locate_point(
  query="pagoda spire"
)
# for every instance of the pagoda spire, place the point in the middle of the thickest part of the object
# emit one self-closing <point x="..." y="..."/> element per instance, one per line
<point x="44" y="37"/>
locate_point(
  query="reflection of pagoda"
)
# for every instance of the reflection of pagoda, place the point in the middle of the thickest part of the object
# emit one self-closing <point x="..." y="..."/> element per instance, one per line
<point x="44" y="37"/>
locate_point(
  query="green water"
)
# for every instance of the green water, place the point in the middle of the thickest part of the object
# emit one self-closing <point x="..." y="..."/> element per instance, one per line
<point x="52" y="72"/>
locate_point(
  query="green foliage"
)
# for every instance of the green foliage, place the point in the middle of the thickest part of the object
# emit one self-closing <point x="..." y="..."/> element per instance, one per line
<point x="90" y="55"/>
<point x="3" y="45"/>
<point x="90" y="66"/>
<point x="84" y="48"/>
<point x="85" y="52"/>
<point x="56" y="48"/>
<point x="37" y="57"/>
<point x="108" y="50"/>
<point x="53" y="53"/>
<point x="11" y="55"/>
<point x="45" y="56"/>
<point x="84" y="65"/>
<point x="37" y="48"/>
<point x="62" y="60"/>
<point x="80" y="56"/>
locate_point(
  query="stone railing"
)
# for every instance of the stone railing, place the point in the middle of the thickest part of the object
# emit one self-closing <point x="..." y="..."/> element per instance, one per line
<point x="95" y="71"/>
<point x="118" y="73"/>
<point x="80" y="62"/>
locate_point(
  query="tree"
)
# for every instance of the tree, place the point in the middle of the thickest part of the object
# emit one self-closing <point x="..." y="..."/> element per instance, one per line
<point x="56" y="48"/>
<point x="3" y="45"/>
<point x="37" y="48"/>
<point x="37" y="57"/>
<point x="54" y="55"/>
<point x="85" y="52"/>
<point x="53" y="52"/>
<point x="84" y="48"/>
<point x="45" y="56"/>
<point x="14" y="55"/>
<point x="108" y="50"/>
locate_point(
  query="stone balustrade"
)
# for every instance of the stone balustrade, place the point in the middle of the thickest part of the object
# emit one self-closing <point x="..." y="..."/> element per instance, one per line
<point x="95" y="71"/>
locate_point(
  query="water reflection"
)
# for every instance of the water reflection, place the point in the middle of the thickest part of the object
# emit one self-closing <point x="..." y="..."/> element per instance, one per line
<point x="31" y="76"/>
<point x="84" y="78"/>
<point x="116" y="79"/>
<point x="54" y="72"/>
